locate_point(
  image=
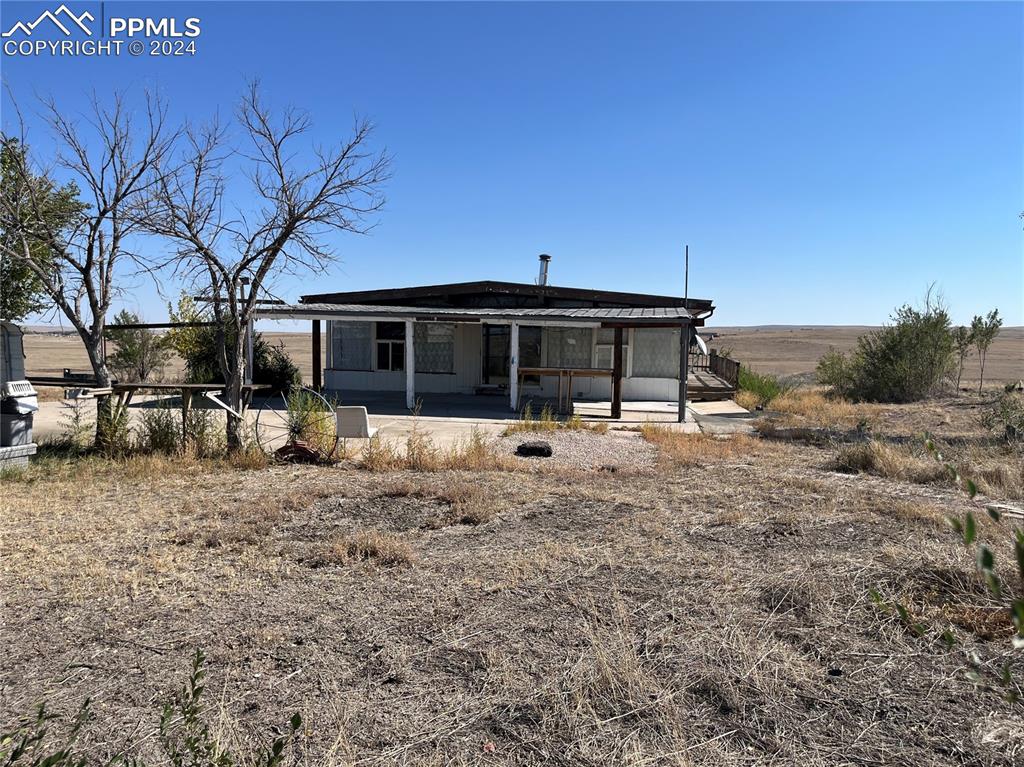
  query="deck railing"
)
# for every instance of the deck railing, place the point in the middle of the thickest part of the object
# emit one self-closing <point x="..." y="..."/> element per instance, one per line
<point x="725" y="368"/>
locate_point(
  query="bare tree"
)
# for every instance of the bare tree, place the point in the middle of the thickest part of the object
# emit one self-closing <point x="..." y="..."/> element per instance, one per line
<point x="298" y="202"/>
<point x="111" y="159"/>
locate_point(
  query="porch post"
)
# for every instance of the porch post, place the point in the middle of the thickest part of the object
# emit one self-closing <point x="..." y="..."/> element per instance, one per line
<point x="410" y="367"/>
<point x="684" y="368"/>
<point x="513" y="366"/>
<point x="317" y="377"/>
<point x="617" y="375"/>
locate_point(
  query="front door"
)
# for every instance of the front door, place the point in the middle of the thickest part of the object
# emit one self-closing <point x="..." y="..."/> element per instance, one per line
<point x="496" y="338"/>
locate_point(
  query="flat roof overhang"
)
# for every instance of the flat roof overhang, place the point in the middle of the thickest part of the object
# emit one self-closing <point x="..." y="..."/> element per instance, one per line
<point x="654" y="316"/>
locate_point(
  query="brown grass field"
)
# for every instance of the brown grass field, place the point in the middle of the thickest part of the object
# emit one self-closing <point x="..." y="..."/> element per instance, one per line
<point x="709" y="606"/>
<point x="710" y="609"/>
<point x="794" y="351"/>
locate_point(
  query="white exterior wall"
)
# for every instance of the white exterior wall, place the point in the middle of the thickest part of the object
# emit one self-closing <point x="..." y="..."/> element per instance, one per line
<point x="464" y="380"/>
<point x="467" y="376"/>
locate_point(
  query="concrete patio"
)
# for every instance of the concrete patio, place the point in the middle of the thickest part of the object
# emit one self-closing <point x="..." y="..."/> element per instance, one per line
<point x="449" y="418"/>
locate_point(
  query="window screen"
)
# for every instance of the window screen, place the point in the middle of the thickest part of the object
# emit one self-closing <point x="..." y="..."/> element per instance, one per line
<point x="656" y="353"/>
<point x="435" y="347"/>
<point x="350" y="345"/>
<point x="530" y="347"/>
<point x="604" y="353"/>
<point x="570" y="347"/>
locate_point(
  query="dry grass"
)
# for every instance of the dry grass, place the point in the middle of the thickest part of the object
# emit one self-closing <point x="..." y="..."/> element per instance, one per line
<point x="385" y="549"/>
<point x="890" y="461"/>
<point x="812" y="407"/>
<point x="476" y="453"/>
<point x="464" y="500"/>
<point x="997" y="471"/>
<point x="747" y="399"/>
<point x="685" y="449"/>
<point x="714" y="617"/>
<point x="547" y="422"/>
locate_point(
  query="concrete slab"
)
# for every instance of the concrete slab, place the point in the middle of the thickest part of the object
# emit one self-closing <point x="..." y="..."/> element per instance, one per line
<point x="446" y="418"/>
<point x="723" y="417"/>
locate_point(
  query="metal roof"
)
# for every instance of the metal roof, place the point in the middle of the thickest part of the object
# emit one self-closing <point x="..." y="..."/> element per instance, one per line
<point x="395" y="296"/>
<point x="589" y="315"/>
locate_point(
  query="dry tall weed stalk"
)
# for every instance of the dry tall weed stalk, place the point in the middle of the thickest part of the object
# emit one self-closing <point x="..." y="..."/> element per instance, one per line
<point x="686" y="449"/>
<point x="386" y="549"/>
<point x="810" y="407"/>
<point x="475" y="453"/>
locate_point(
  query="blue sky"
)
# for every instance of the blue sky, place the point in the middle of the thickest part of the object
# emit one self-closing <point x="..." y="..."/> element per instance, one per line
<point x="824" y="161"/>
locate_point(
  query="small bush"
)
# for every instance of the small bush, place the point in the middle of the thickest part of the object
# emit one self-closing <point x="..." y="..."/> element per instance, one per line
<point x="159" y="429"/>
<point x="765" y="387"/>
<point x="113" y="432"/>
<point x="1005" y="416"/>
<point x="310" y="421"/>
<point x="205" y="436"/>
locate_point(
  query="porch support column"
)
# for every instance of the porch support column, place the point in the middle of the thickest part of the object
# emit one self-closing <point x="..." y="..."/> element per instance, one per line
<point x="684" y="368"/>
<point x="513" y="366"/>
<point x="317" y="376"/>
<point x="617" y="375"/>
<point x="410" y="367"/>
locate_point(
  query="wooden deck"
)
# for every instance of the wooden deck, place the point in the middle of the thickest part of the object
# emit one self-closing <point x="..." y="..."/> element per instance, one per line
<point x="705" y="385"/>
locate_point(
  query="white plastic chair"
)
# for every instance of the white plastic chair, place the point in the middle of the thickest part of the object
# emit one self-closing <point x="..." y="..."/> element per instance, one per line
<point x="354" y="422"/>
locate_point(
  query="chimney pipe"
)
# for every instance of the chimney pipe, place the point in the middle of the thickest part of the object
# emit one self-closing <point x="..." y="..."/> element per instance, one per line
<point x="545" y="259"/>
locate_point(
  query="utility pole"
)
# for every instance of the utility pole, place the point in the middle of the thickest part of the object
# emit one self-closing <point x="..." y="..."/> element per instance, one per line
<point x="684" y="341"/>
<point x="248" y="348"/>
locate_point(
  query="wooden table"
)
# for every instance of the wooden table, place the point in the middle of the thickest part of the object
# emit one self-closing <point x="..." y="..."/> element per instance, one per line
<point x="125" y="392"/>
<point x="562" y="373"/>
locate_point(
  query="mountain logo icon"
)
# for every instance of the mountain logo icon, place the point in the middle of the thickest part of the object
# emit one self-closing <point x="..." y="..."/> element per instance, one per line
<point x="63" y="18"/>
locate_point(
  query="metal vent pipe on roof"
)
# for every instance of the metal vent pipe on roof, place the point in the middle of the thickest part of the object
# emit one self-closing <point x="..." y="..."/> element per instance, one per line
<point x="542" y="278"/>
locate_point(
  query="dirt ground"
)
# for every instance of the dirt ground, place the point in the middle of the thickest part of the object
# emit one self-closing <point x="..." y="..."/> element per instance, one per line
<point x="783" y="350"/>
<point x="711" y="609"/>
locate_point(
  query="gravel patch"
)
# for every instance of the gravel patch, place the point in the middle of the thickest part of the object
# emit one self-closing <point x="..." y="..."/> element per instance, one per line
<point x="585" y="449"/>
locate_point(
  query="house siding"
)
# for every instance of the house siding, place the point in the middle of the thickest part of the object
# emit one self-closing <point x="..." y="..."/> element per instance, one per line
<point x="467" y="376"/>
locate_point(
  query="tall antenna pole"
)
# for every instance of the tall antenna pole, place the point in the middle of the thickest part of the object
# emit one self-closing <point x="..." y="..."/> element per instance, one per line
<point x="686" y="277"/>
<point x="684" y="343"/>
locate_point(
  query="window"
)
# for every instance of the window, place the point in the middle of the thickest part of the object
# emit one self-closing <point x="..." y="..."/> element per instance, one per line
<point x="435" y="347"/>
<point x="350" y="345"/>
<point x="570" y="347"/>
<point x="604" y="351"/>
<point x="530" y="351"/>
<point x="390" y="346"/>
<point x="656" y="353"/>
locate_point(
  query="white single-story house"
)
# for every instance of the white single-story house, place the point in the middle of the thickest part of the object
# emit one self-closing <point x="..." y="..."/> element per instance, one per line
<point x="523" y="340"/>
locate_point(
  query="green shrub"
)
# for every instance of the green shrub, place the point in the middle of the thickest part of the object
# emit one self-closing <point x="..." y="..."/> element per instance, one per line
<point x="198" y="347"/>
<point x="113" y="433"/>
<point x="764" y="386"/>
<point x="159" y="429"/>
<point x="205" y="437"/>
<point x="905" y="361"/>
